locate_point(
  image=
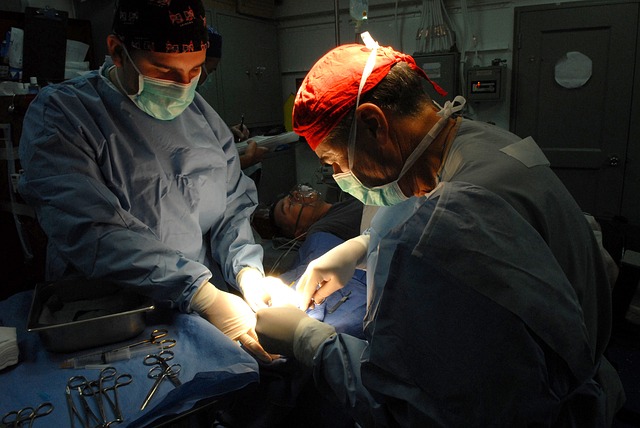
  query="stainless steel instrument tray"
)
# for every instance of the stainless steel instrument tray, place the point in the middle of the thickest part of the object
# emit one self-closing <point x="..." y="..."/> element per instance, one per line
<point x="75" y="314"/>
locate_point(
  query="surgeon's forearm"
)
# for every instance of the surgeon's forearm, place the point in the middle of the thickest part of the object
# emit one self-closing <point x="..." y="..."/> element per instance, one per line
<point x="232" y="242"/>
<point x="362" y="241"/>
<point x="337" y="373"/>
<point x="146" y="264"/>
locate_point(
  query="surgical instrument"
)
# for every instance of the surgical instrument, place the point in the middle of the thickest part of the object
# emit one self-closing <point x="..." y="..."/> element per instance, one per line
<point x="157" y="336"/>
<point x="109" y="374"/>
<point x="161" y="360"/>
<point x="159" y="333"/>
<point x="159" y="372"/>
<point x="17" y="418"/>
<point x="93" y="394"/>
<point x="339" y="303"/>
<point x="73" y="411"/>
<point x="83" y="387"/>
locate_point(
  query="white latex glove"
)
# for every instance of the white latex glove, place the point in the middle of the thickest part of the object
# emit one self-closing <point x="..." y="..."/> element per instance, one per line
<point x="261" y="292"/>
<point x="231" y="315"/>
<point x="250" y="281"/>
<point x="331" y="271"/>
<point x="280" y="293"/>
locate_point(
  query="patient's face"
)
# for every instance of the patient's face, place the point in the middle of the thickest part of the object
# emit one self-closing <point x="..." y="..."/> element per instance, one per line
<point x="295" y="213"/>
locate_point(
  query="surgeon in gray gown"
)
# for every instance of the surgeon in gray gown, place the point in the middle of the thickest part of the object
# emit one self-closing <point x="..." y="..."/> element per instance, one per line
<point x="488" y="298"/>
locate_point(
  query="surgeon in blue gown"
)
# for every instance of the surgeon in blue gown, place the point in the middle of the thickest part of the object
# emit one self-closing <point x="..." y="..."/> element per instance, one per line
<point x="135" y="178"/>
<point x="488" y="301"/>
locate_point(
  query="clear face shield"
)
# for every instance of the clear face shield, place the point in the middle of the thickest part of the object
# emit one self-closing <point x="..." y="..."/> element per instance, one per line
<point x="303" y="194"/>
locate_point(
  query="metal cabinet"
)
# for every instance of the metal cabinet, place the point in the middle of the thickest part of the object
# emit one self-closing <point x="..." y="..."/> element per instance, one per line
<point x="247" y="81"/>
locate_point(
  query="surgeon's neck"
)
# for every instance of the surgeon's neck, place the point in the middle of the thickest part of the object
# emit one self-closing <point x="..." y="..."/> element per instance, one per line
<point x="422" y="178"/>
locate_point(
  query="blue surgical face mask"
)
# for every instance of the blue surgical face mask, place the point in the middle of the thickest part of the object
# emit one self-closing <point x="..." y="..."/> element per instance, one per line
<point x="159" y="98"/>
<point x="390" y="193"/>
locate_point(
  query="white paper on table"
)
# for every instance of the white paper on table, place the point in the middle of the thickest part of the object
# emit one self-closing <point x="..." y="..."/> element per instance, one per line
<point x="76" y="51"/>
<point x="15" y="49"/>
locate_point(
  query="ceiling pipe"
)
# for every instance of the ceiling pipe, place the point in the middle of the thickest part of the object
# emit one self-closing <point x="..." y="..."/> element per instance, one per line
<point x="336" y="11"/>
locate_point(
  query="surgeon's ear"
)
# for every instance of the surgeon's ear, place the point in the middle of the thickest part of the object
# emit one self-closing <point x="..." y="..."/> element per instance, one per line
<point x="116" y="51"/>
<point x="372" y="121"/>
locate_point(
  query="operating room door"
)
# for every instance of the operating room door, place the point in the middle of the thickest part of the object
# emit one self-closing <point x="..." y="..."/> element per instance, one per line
<point x="572" y="91"/>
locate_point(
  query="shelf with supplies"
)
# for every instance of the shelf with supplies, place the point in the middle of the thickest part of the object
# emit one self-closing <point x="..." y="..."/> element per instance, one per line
<point x="24" y="244"/>
<point x="40" y="55"/>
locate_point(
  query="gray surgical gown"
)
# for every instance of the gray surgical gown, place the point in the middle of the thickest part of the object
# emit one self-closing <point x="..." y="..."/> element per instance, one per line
<point x="152" y="204"/>
<point x="488" y="304"/>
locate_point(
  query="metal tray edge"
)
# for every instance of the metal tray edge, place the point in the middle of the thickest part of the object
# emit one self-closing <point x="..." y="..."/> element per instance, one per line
<point x="40" y="327"/>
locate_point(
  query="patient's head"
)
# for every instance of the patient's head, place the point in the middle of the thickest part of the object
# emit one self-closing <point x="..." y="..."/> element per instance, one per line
<point x="294" y="212"/>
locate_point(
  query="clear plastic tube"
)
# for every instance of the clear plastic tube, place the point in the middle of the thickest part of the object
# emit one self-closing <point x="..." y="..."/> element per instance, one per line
<point x="109" y="356"/>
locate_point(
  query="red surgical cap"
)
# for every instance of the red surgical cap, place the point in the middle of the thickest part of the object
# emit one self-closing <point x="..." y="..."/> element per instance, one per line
<point x="329" y="90"/>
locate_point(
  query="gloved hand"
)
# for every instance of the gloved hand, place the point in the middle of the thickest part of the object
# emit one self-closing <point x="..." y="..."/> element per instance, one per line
<point x="261" y="292"/>
<point x="289" y="331"/>
<point x="250" y="282"/>
<point x="279" y="292"/>
<point x="331" y="271"/>
<point x="231" y="315"/>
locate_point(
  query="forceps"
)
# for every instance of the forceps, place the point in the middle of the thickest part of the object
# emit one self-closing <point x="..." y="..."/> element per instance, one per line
<point x="17" y="418"/>
<point x="161" y="360"/>
<point x="108" y="374"/>
<point x="99" y="391"/>
<point x="84" y="388"/>
<point x="159" y="371"/>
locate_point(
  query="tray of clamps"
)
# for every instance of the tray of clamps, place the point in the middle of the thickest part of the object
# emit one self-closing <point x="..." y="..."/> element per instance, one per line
<point x="74" y="314"/>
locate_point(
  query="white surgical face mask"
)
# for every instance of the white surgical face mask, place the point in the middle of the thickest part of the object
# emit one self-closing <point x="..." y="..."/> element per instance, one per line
<point x="159" y="98"/>
<point x="390" y="193"/>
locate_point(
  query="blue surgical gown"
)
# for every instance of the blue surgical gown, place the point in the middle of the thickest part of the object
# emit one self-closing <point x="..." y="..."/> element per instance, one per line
<point x="149" y="203"/>
<point x="477" y="315"/>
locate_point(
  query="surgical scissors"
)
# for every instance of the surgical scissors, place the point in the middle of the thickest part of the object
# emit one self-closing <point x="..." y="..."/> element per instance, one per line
<point x="17" y="418"/>
<point x="159" y="371"/>
<point x="157" y="336"/>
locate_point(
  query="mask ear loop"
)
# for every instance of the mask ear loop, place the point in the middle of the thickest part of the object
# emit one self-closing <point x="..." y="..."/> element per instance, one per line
<point x="203" y="76"/>
<point x="140" y="79"/>
<point x="366" y="72"/>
